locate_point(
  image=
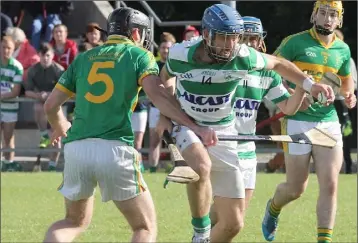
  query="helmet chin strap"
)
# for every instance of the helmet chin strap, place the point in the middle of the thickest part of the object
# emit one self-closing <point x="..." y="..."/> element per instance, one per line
<point x="322" y="31"/>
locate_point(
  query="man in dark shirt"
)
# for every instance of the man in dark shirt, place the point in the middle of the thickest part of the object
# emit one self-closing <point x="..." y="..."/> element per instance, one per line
<point x="42" y="78"/>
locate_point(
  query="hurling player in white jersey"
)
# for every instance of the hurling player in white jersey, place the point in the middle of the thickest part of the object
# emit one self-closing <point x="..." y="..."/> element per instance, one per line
<point x="204" y="74"/>
<point x="259" y="85"/>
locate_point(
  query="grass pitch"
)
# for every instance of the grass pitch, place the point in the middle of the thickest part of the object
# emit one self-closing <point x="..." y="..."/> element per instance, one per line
<point x="30" y="203"/>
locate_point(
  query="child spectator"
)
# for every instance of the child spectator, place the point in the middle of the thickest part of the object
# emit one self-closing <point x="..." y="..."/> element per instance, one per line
<point x="41" y="80"/>
<point x="10" y="79"/>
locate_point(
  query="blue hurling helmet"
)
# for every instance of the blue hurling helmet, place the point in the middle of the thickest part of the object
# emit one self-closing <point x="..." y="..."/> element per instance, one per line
<point x="253" y="28"/>
<point x="223" y="20"/>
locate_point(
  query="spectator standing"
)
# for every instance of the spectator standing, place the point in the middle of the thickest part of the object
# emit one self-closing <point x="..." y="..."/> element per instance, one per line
<point x="24" y="52"/>
<point x="46" y="16"/>
<point x="65" y="49"/>
<point x="42" y="78"/>
<point x="10" y="79"/>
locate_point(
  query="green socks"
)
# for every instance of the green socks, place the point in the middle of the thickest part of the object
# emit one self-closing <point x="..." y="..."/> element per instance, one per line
<point x="202" y="227"/>
<point x="324" y="235"/>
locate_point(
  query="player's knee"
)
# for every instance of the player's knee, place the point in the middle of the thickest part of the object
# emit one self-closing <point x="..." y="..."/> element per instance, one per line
<point x="329" y="188"/>
<point x="203" y="170"/>
<point x="146" y="225"/>
<point x="233" y="225"/>
<point x="80" y="222"/>
<point x="296" y="192"/>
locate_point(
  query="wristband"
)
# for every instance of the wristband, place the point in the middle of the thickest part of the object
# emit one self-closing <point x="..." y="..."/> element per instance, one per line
<point x="307" y="84"/>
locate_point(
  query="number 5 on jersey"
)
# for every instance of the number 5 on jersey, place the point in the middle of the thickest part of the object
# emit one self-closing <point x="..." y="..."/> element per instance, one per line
<point x="94" y="77"/>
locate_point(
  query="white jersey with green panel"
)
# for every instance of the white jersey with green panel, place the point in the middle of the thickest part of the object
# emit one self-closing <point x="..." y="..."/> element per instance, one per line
<point x="205" y="91"/>
<point x="249" y="94"/>
<point x="10" y="74"/>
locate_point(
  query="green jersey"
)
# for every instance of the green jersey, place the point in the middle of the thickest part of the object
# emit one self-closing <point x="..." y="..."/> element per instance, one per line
<point x="206" y="91"/>
<point x="311" y="55"/>
<point x="10" y="75"/>
<point x="106" y="81"/>
<point x="249" y="94"/>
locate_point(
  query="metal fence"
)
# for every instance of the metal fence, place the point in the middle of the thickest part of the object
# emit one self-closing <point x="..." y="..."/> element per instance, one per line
<point x="260" y="149"/>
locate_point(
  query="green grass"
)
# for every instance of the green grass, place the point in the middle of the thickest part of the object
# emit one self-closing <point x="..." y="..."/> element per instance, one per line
<point x="30" y="203"/>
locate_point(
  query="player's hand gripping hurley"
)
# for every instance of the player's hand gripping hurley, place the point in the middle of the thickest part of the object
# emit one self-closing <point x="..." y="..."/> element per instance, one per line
<point x="181" y="173"/>
<point x="328" y="78"/>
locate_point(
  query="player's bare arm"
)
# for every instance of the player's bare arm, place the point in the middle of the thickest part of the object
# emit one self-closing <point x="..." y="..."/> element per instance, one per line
<point x="55" y="115"/>
<point x="167" y="80"/>
<point x="290" y="71"/>
<point x="347" y="91"/>
<point x="169" y="83"/>
<point x="12" y="94"/>
<point x="291" y="105"/>
<point x="169" y="106"/>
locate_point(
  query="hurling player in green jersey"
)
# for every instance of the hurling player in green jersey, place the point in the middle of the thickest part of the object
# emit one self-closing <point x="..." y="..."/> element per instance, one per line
<point x="315" y="51"/>
<point x="99" y="146"/>
<point x="207" y="71"/>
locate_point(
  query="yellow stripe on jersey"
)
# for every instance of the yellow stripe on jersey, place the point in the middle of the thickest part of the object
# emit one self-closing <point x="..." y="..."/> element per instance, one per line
<point x="314" y="35"/>
<point x="316" y="70"/>
<point x="344" y="78"/>
<point x="136" y="100"/>
<point x="145" y="74"/>
<point x="64" y="90"/>
<point x="118" y="39"/>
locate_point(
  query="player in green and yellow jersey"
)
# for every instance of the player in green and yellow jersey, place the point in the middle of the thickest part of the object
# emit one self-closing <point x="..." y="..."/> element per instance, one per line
<point x="315" y="51"/>
<point x="99" y="146"/>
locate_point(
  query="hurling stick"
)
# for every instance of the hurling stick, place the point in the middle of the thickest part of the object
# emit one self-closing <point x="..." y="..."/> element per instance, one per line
<point x="181" y="173"/>
<point x="314" y="136"/>
<point x="328" y="78"/>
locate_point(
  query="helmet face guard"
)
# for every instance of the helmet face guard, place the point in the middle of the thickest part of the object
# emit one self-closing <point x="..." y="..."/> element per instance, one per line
<point x="145" y="37"/>
<point x="327" y="16"/>
<point x="254" y="34"/>
<point x="222" y="46"/>
<point x="222" y="30"/>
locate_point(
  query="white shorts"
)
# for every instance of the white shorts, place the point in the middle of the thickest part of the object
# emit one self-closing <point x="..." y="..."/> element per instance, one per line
<point x="154" y="115"/>
<point x="226" y="177"/>
<point x="139" y="121"/>
<point x="291" y="127"/>
<point x="248" y="170"/>
<point x="111" y="164"/>
<point x="7" y="117"/>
